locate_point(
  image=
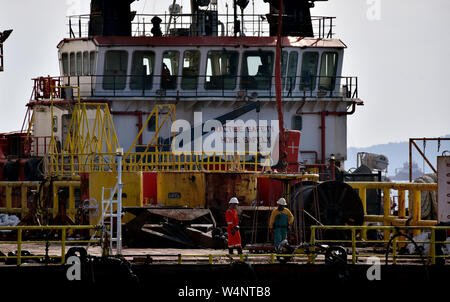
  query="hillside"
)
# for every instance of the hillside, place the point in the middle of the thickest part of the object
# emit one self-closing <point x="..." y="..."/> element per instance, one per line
<point x="398" y="154"/>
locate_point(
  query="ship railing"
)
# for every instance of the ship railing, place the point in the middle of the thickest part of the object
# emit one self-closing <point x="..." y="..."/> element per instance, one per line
<point x="191" y="87"/>
<point x="23" y="146"/>
<point x="28" y="237"/>
<point x="254" y="25"/>
<point x="36" y="146"/>
<point x="73" y="164"/>
<point x="407" y="211"/>
<point x="397" y="246"/>
<point x="19" y="197"/>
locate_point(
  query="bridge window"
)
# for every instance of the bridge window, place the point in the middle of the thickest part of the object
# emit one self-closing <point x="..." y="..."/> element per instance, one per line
<point x="257" y="70"/>
<point x="289" y="79"/>
<point x="191" y="68"/>
<point x="65" y="64"/>
<point x="142" y="70"/>
<point x="169" y="72"/>
<point x="115" y="74"/>
<point x="92" y="58"/>
<point x="72" y="64"/>
<point x="309" y="71"/>
<point x="221" y="70"/>
<point x="79" y="63"/>
<point x="328" y="71"/>
<point x="86" y="63"/>
<point x="284" y="59"/>
<point x="292" y="70"/>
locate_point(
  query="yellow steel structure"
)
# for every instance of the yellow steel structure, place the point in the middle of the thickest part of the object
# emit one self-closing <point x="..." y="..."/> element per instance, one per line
<point x="15" y="200"/>
<point x="181" y="189"/>
<point x="63" y="241"/>
<point x="90" y="143"/>
<point x="206" y="161"/>
<point x="67" y="164"/>
<point x="132" y="191"/>
<point x="388" y="218"/>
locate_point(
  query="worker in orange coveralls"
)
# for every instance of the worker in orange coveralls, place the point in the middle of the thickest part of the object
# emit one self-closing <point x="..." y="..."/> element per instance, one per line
<point x="234" y="237"/>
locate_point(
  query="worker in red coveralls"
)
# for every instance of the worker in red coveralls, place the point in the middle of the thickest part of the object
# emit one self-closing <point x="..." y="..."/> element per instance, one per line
<point x="234" y="237"/>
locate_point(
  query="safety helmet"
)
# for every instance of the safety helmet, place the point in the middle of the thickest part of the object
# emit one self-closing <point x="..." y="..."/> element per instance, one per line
<point x="282" y="202"/>
<point x="234" y="200"/>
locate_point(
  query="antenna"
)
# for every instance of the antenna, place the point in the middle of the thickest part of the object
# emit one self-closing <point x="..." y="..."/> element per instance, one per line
<point x="3" y="36"/>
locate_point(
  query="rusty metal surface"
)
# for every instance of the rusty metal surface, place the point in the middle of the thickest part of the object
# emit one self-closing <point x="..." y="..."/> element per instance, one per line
<point x="221" y="187"/>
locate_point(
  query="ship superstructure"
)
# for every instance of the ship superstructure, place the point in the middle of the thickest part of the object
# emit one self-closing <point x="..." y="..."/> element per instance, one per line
<point x="98" y="138"/>
<point x="198" y="63"/>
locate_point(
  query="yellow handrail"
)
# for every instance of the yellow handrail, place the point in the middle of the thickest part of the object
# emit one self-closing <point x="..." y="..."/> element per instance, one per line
<point x="69" y="164"/>
<point x="388" y="218"/>
<point x="63" y="241"/>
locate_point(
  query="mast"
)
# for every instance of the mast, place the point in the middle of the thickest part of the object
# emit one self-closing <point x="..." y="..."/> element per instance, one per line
<point x="278" y="90"/>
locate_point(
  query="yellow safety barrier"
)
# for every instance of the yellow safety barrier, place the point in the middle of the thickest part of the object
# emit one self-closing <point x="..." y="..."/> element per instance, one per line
<point x="69" y="164"/>
<point x="414" y="203"/>
<point x="400" y="232"/>
<point x="15" y="195"/>
<point x="63" y="241"/>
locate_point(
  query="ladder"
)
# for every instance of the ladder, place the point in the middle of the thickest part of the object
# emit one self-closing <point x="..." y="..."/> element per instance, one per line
<point x="112" y="209"/>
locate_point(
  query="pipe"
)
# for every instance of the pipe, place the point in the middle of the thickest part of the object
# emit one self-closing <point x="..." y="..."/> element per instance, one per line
<point x="332" y="167"/>
<point x="323" y="135"/>
<point x="323" y="115"/>
<point x="278" y="88"/>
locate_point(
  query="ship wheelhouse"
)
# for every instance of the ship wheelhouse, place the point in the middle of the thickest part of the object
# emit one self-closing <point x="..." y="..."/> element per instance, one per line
<point x="204" y="67"/>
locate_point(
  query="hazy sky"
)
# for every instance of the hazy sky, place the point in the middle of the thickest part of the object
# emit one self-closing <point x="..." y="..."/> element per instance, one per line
<point x="399" y="49"/>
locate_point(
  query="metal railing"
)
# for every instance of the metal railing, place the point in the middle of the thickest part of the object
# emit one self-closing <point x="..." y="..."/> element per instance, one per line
<point x="175" y="87"/>
<point x="181" y="25"/>
<point x="388" y="218"/>
<point x="414" y="203"/>
<point x="73" y="164"/>
<point x="397" y="236"/>
<point x="20" y="241"/>
<point x="391" y="253"/>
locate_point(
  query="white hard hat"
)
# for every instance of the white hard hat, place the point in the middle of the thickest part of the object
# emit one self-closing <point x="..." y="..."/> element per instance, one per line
<point x="282" y="202"/>
<point x="234" y="200"/>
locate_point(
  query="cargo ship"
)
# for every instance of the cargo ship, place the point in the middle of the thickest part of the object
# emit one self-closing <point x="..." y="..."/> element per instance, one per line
<point x="127" y="160"/>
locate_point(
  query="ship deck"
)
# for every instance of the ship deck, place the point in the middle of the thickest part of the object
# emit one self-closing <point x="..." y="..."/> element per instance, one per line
<point x="258" y="255"/>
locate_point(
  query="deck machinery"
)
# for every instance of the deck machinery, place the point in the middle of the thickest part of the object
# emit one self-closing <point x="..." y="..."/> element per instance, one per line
<point x="127" y="80"/>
